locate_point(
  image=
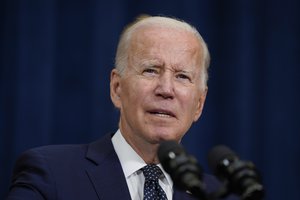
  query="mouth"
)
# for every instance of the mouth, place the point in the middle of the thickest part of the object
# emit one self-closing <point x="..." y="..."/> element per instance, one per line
<point x="162" y="113"/>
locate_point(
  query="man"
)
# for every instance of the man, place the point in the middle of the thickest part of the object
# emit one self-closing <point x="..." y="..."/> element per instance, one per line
<point x="159" y="86"/>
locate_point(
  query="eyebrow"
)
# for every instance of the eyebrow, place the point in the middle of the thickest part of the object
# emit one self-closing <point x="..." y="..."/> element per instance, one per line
<point x="154" y="62"/>
<point x="182" y="69"/>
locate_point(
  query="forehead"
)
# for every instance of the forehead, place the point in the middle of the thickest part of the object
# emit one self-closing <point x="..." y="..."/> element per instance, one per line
<point x="170" y="44"/>
<point x="158" y="34"/>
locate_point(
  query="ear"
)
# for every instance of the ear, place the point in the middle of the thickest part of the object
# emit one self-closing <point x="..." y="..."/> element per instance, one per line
<point x="200" y="104"/>
<point x="115" y="89"/>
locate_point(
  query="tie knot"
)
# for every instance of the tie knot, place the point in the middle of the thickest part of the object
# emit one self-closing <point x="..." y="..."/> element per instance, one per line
<point x="152" y="172"/>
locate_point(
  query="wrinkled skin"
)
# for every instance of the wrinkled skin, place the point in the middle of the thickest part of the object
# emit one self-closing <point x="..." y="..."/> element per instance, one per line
<point x="160" y="93"/>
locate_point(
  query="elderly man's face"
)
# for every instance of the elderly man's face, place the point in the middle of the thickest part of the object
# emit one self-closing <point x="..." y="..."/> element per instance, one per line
<point x="160" y="93"/>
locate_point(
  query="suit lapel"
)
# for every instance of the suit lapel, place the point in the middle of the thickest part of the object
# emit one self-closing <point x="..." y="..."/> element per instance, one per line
<point x="106" y="175"/>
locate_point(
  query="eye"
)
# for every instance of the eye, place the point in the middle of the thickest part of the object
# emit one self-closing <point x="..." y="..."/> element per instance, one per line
<point x="183" y="77"/>
<point x="150" y="71"/>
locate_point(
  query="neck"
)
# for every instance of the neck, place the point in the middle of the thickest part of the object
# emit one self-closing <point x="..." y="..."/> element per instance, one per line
<point x="146" y="150"/>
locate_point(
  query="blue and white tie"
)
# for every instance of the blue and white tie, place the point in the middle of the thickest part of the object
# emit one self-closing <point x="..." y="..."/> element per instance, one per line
<point x="152" y="189"/>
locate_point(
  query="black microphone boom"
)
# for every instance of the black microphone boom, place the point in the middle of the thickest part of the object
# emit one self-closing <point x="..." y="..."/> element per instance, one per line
<point x="183" y="168"/>
<point x="240" y="177"/>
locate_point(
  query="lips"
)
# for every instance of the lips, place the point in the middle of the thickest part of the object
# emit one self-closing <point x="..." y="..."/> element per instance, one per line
<point x="162" y="113"/>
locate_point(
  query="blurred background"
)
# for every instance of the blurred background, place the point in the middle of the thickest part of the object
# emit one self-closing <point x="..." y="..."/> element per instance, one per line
<point x="56" y="58"/>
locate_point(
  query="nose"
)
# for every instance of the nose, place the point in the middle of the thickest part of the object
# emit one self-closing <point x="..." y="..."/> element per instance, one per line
<point x="165" y="86"/>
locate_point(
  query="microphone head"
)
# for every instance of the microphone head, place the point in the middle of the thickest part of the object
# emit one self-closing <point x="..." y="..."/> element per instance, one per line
<point x="240" y="177"/>
<point x="167" y="146"/>
<point x="183" y="168"/>
<point x="167" y="151"/>
<point x="218" y="154"/>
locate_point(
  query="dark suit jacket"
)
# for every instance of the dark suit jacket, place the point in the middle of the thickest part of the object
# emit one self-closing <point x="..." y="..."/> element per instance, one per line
<point x="76" y="172"/>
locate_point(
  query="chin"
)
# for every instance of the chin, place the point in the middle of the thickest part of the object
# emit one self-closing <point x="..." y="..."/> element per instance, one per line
<point x="160" y="136"/>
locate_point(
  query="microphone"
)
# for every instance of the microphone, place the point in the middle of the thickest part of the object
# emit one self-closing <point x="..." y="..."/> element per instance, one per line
<point x="183" y="168"/>
<point x="239" y="177"/>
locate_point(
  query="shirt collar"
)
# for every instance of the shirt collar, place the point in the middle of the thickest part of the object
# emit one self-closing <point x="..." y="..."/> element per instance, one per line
<point x="130" y="161"/>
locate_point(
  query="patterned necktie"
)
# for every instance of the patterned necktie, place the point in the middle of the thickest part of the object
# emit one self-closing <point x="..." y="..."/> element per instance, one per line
<point x="152" y="189"/>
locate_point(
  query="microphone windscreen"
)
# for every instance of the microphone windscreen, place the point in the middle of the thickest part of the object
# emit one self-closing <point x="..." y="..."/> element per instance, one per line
<point x="167" y="147"/>
<point x="217" y="154"/>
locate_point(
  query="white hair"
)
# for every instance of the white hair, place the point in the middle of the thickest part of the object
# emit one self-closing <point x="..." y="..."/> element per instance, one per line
<point x="121" y="59"/>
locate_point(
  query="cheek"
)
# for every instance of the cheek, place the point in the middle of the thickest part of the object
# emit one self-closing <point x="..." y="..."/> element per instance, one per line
<point x="134" y="93"/>
<point x="189" y="103"/>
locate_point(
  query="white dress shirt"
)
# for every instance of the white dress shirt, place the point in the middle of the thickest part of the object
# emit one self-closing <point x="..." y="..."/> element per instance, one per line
<point x="131" y="164"/>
